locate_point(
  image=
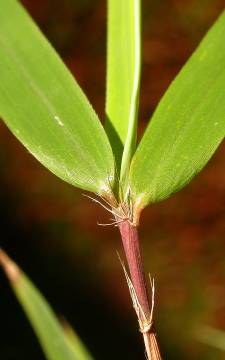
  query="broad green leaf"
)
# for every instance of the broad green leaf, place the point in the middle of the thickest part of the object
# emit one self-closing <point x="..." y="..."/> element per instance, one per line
<point x="54" y="342"/>
<point x="187" y="126"/>
<point x="123" y="78"/>
<point x="44" y="106"/>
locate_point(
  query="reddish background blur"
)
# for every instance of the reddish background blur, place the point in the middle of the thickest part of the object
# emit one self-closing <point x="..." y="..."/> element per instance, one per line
<point x="51" y="230"/>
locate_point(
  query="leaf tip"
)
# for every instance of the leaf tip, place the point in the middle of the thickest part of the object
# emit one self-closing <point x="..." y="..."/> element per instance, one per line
<point x="11" y="269"/>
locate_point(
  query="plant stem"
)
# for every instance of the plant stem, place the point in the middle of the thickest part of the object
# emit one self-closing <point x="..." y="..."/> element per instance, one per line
<point x="151" y="346"/>
<point x="132" y="250"/>
<point x="131" y="245"/>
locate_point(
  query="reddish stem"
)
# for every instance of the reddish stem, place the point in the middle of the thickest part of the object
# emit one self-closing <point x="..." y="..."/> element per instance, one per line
<point x="132" y="250"/>
<point x="131" y="245"/>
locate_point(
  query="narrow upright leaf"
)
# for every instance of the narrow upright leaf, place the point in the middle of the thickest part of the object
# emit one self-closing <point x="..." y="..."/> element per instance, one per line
<point x="123" y="77"/>
<point x="54" y="341"/>
<point x="45" y="108"/>
<point x="188" y="124"/>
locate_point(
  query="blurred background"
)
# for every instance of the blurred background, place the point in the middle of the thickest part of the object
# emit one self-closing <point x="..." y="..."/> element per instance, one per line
<point x="51" y="230"/>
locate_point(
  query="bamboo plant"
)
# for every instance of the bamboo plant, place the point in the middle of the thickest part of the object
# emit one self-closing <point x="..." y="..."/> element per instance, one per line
<point x="45" y="108"/>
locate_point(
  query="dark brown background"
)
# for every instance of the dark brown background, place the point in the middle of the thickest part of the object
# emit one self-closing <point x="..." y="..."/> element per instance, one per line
<point x="51" y="230"/>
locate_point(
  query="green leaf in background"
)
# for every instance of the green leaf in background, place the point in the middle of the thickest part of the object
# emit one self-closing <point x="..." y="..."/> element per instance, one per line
<point x="211" y="337"/>
<point x="123" y="78"/>
<point x="55" y="343"/>
<point x="188" y="124"/>
<point x="77" y="346"/>
<point x="45" y="108"/>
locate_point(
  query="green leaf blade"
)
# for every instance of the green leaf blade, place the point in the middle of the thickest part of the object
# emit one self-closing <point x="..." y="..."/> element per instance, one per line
<point x="52" y="338"/>
<point x="187" y="126"/>
<point x="210" y="336"/>
<point x="43" y="321"/>
<point x="45" y="108"/>
<point x="76" y="344"/>
<point x="123" y="78"/>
